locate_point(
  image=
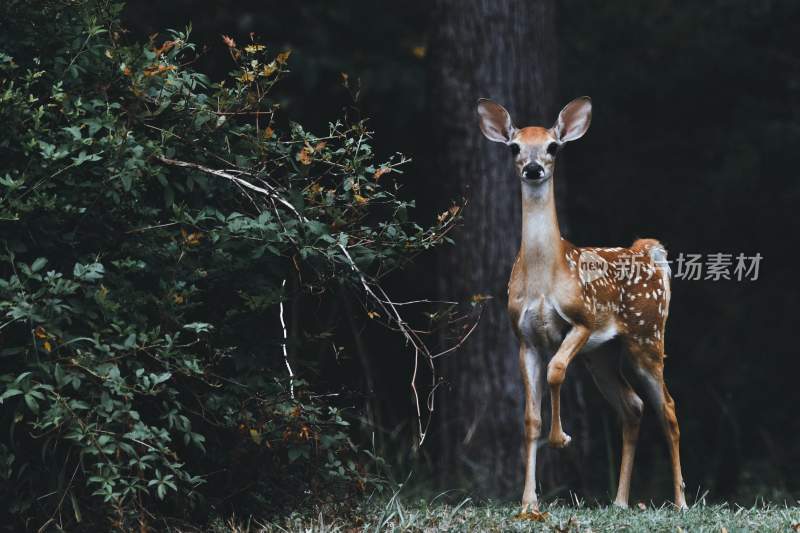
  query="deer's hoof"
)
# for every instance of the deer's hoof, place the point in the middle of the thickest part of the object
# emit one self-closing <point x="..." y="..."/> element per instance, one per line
<point x="561" y="440"/>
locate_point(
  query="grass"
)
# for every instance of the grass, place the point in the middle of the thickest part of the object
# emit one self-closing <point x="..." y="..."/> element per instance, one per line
<point x="467" y="516"/>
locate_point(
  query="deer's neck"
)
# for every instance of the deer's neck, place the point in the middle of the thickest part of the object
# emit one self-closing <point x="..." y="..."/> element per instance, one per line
<point x="541" y="251"/>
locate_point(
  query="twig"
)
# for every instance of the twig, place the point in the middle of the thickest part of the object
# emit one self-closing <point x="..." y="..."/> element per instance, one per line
<point x="60" y="500"/>
<point x="136" y="230"/>
<point x="271" y="192"/>
<point x="412" y="302"/>
<point x="420" y="349"/>
<point x="462" y="340"/>
<point x="285" y="352"/>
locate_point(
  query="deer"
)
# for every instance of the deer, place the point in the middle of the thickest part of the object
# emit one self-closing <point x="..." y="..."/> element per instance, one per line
<point x="565" y="300"/>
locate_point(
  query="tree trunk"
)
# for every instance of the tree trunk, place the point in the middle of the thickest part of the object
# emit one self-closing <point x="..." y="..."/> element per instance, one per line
<point x="504" y="50"/>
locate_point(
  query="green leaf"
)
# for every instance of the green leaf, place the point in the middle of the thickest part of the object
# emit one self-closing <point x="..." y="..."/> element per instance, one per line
<point x="83" y="157"/>
<point x="32" y="403"/>
<point x="38" y="264"/>
<point x="91" y="272"/>
<point x="199" y="327"/>
<point x="130" y="341"/>
<point x="74" y="131"/>
<point x="9" y="393"/>
<point x="296" y="452"/>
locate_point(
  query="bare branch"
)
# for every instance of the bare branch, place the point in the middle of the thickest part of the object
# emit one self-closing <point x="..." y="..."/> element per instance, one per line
<point x="285" y="352"/>
<point x="270" y="191"/>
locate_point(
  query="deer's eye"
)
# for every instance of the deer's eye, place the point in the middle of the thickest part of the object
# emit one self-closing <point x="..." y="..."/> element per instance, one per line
<point x="514" y="149"/>
<point x="552" y="148"/>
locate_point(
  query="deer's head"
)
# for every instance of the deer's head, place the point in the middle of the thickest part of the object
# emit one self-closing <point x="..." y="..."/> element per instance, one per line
<point x="534" y="148"/>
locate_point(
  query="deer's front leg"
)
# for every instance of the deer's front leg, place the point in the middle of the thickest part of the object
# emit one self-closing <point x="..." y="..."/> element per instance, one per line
<point x="530" y="363"/>
<point x="556" y="371"/>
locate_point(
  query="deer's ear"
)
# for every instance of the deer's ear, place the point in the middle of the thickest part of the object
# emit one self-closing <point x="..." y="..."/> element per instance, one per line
<point x="574" y="119"/>
<point x="495" y="121"/>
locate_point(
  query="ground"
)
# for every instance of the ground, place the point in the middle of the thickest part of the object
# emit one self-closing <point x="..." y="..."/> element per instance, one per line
<point x="466" y="516"/>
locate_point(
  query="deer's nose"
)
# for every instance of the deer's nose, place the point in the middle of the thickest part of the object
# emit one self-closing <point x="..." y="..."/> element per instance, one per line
<point x="533" y="171"/>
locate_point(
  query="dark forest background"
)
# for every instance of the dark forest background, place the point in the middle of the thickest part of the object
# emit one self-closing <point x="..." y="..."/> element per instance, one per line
<point x="694" y="141"/>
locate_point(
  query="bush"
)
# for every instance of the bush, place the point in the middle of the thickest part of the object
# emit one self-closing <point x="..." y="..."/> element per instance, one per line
<point x="154" y="225"/>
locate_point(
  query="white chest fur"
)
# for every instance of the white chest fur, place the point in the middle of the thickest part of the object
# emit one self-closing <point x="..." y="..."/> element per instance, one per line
<point x="540" y="323"/>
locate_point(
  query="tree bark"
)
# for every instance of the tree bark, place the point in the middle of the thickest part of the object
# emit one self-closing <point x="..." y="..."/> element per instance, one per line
<point x="504" y="50"/>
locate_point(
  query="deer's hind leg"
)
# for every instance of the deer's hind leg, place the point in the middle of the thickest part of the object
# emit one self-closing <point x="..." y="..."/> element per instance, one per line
<point x="648" y="360"/>
<point x="604" y="365"/>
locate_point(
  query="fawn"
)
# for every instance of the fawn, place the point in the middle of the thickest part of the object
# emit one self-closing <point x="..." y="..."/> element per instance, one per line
<point x="564" y="300"/>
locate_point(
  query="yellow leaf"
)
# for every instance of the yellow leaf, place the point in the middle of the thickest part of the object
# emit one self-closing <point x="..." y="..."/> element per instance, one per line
<point x="47" y="347"/>
<point x="360" y="200"/>
<point x="283" y="57"/>
<point x="255" y="435"/>
<point x="253" y="48"/>
<point x="533" y="516"/>
<point x="419" y="52"/>
<point x="269" y="70"/>
<point x="191" y="239"/>
<point x="246" y="77"/>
